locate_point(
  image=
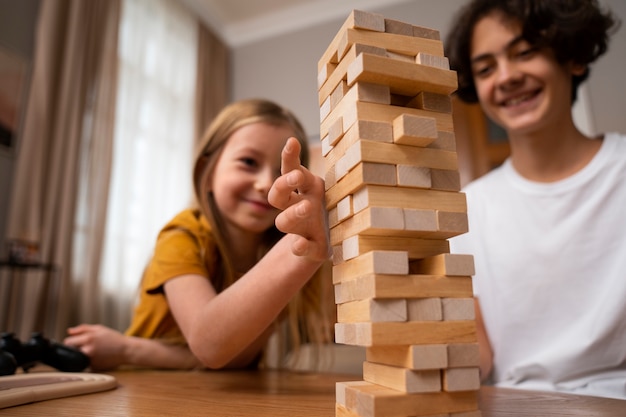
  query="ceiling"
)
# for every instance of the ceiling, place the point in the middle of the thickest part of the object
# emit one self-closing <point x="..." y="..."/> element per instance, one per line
<point x="239" y="22"/>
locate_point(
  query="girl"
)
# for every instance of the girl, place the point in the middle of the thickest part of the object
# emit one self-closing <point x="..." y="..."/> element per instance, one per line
<point x="547" y="228"/>
<point x="222" y="273"/>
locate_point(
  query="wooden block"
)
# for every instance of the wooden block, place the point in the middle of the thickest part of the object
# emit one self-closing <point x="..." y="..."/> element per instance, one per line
<point x="337" y="254"/>
<point x="405" y="45"/>
<point x="402" y="286"/>
<point x="324" y="72"/>
<point x="421" y="357"/>
<point x="461" y="379"/>
<point x="345" y="396"/>
<point x="341" y="69"/>
<point x="356" y="20"/>
<point x="388" y="153"/>
<point x="374" y="262"/>
<point x="432" y="60"/>
<point x="351" y="111"/>
<point x="458" y="308"/>
<point x="326" y="146"/>
<point x="410" y="198"/>
<point x="402" y="379"/>
<point x="325" y="109"/>
<point x="341" y="411"/>
<point x="405" y="78"/>
<point x="453" y="223"/>
<point x="344" y="208"/>
<point x="330" y="178"/>
<point x="409" y="332"/>
<point x="420" y="220"/>
<point x="398" y="27"/>
<point x="416" y="248"/>
<point x="377" y="221"/>
<point x="361" y="174"/>
<point x="362" y="129"/>
<point x="463" y="355"/>
<point x="423" y="32"/>
<point x="444" y="179"/>
<point x="414" y="130"/>
<point x="335" y="132"/>
<point x="333" y="217"/>
<point x="445" y="141"/>
<point x="374" y="400"/>
<point x="400" y="57"/>
<point x="426" y="100"/>
<point x="424" y="309"/>
<point x="413" y="176"/>
<point x="372" y="310"/>
<point x="445" y="264"/>
<point x="338" y="93"/>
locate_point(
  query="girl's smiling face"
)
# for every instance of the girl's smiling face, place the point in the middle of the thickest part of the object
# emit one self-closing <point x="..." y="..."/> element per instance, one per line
<point x="520" y="86"/>
<point x="245" y="171"/>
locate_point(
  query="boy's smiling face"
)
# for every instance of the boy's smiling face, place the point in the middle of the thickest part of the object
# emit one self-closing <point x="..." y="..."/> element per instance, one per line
<point x="520" y="86"/>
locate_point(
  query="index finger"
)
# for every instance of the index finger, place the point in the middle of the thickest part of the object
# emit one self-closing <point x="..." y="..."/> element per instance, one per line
<point x="290" y="156"/>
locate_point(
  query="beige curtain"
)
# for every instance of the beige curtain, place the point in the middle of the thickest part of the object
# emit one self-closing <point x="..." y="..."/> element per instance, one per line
<point x="212" y="80"/>
<point x="67" y="136"/>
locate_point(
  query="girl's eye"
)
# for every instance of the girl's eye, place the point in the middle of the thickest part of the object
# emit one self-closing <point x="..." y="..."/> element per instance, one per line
<point x="249" y="162"/>
<point x="482" y="70"/>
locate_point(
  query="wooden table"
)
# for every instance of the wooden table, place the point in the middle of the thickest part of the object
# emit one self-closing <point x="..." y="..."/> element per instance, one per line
<point x="276" y="394"/>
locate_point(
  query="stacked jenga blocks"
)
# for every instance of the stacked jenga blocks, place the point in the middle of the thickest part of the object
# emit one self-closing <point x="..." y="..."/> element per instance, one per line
<point x="393" y="197"/>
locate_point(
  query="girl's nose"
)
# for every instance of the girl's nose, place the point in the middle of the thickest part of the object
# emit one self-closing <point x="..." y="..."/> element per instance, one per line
<point x="264" y="180"/>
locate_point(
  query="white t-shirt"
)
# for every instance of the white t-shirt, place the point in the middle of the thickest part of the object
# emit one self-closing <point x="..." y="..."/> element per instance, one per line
<point x="551" y="274"/>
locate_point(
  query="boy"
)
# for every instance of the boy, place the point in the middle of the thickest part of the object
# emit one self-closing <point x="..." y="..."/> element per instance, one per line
<point x="547" y="229"/>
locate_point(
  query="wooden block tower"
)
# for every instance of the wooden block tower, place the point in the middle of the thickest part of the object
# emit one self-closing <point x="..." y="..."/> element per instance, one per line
<point x="393" y="196"/>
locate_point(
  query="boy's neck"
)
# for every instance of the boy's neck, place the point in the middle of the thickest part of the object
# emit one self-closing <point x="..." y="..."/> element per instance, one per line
<point x="552" y="154"/>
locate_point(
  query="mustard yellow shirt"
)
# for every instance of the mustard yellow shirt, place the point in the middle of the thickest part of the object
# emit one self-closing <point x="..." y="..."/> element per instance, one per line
<point x="184" y="246"/>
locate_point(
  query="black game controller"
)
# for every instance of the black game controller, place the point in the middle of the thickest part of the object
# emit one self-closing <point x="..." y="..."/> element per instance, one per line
<point x="14" y="354"/>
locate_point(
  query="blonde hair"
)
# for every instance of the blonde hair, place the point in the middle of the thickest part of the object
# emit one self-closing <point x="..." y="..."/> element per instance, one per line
<point x="307" y="317"/>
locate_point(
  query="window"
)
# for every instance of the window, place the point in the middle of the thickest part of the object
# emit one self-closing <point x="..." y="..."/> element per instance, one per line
<point x="154" y="143"/>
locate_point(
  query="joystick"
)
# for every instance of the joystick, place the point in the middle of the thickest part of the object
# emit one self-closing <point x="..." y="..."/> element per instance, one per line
<point x="14" y="354"/>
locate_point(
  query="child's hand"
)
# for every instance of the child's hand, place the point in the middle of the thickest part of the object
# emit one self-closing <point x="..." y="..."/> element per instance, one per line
<point x="103" y="345"/>
<point x="300" y="194"/>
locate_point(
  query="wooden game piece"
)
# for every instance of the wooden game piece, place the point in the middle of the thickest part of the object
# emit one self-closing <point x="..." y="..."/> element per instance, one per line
<point x="420" y="220"/>
<point x="419" y="357"/>
<point x="344" y="395"/>
<point x="338" y="93"/>
<point x="374" y="262"/>
<point x="432" y="60"/>
<point x="445" y="141"/>
<point x="404" y="78"/>
<point x="340" y="72"/>
<point x="445" y="264"/>
<point x="397" y="286"/>
<point x="402" y="379"/>
<point x="388" y="153"/>
<point x="351" y="111"/>
<point x="375" y="400"/>
<point x="458" y="308"/>
<point x="426" y="100"/>
<point x="463" y="355"/>
<point x="414" y="130"/>
<point x="414" y="176"/>
<point x="362" y="129"/>
<point x="461" y="379"/>
<point x="424" y="309"/>
<point x="372" y="310"/>
<point x="406" y="45"/>
<point x="398" y="27"/>
<point x="378" y="221"/>
<point x="357" y="19"/>
<point x="403" y="197"/>
<point x="409" y="332"/>
<point x="344" y="208"/>
<point x="416" y="248"/>
<point x="452" y="223"/>
<point x="445" y="179"/>
<point x="423" y="32"/>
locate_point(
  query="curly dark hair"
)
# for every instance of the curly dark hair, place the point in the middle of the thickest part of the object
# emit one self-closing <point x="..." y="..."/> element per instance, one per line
<point x="576" y="31"/>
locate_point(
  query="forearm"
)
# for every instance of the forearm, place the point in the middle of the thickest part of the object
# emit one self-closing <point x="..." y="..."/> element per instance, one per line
<point x="153" y="353"/>
<point x="238" y="316"/>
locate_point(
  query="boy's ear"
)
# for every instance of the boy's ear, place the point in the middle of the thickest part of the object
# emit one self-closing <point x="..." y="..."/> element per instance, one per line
<point x="577" y="69"/>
